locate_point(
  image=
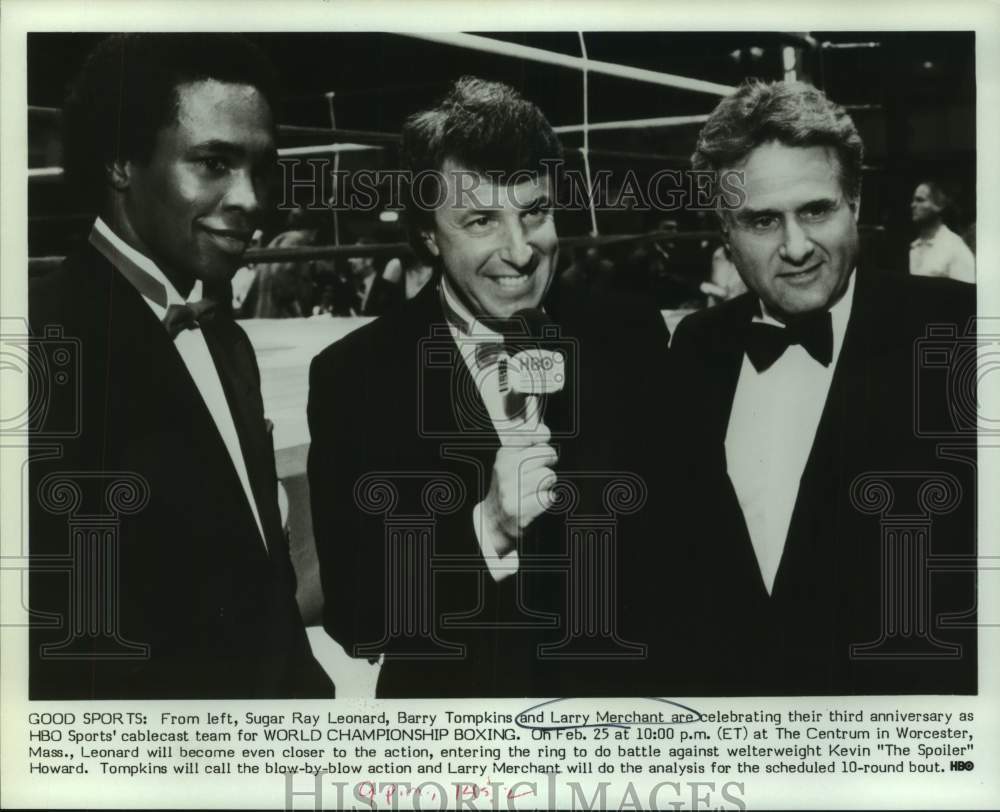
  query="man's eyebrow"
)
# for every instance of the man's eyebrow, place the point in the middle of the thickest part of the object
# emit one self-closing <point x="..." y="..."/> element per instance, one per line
<point x="218" y="145"/>
<point x="751" y="214"/>
<point x="819" y="201"/>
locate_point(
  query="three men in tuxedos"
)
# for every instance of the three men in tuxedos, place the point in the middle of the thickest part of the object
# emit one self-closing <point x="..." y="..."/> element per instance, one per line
<point x="803" y="398"/>
<point x="467" y="514"/>
<point x="160" y="568"/>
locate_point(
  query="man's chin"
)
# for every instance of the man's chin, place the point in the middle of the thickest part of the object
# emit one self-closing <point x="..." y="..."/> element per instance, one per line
<point x="802" y="306"/>
<point x="505" y="310"/>
<point x="217" y="274"/>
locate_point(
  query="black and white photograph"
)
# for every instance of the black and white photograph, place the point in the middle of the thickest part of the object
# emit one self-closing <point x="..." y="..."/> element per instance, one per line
<point x="494" y="367"/>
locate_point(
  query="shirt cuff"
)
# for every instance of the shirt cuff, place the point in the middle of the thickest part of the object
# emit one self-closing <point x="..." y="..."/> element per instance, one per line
<point x="500" y="566"/>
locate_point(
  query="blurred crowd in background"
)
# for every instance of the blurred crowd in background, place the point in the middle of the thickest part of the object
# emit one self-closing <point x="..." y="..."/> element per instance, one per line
<point x="681" y="270"/>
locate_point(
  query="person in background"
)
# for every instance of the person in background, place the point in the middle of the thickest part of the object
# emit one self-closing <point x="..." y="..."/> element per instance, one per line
<point x="411" y="274"/>
<point x="937" y="250"/>
<point x="287" y="289"/>
<point x="370" y="293"/>
<point x="724" y="282"/>
<point x="245" y="285"/>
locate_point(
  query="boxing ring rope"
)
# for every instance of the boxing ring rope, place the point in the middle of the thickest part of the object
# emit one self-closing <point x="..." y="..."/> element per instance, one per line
<point x="52" y="174"/>
<point x="321" y="149"/>
<point x="633" y="124"/>
<point x="376" y="139"/>
<point x="500" y="48"/>
<point x="398" y="249"/>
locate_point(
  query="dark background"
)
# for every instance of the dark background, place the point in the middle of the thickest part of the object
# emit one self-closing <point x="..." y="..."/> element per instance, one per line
<point x="912" y="96"/>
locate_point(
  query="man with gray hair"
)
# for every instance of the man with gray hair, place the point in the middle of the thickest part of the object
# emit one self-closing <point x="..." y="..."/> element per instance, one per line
<point x="797" y="391"/>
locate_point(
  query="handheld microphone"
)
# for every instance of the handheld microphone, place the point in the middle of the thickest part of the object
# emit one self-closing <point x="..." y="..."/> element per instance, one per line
<point x="535" y="371"/>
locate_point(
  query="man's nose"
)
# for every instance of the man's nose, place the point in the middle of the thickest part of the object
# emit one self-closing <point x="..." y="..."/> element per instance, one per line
<point x="517" y="251"/>
<point x="797" y="246"/>
<point x="245" y="192"/>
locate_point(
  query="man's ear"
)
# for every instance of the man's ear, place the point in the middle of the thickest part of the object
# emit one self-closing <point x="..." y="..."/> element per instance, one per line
<point x="430" y="240"/>
<point x="119" y="173"/>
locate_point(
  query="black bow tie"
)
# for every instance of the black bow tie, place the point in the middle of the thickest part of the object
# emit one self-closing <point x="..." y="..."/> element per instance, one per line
<point x="767" y="342"/>
<point x="188" y="316"/>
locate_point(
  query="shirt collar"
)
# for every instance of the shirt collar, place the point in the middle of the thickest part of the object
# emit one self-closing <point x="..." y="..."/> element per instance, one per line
<point x="840" y="313"/>
<point x="139" y="270"/>
<point x="941" y="232"/>
<point x="364" y="289"/>
<point x="463" y="322"/>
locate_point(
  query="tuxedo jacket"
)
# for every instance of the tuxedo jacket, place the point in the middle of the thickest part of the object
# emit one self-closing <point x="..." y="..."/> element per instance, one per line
<point x="890" y="416"/>
<point x="154" y="581"/>
<point x="383" y="298"/>
<point x="402" y="450"/>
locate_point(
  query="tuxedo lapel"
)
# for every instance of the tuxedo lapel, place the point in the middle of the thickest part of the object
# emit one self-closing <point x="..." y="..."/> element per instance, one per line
<point x="811" y="546"/>
<point x="726" y="361"/>
<point x="719" y="375"/>
<point x="450" y="404"/>
<point x="730" y="353"/>
<point x="233" y="358"/>
<point x="142" y="350"/>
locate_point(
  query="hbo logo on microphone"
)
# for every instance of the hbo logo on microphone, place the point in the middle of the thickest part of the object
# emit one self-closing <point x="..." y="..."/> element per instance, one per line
<point x="453" y="379"/>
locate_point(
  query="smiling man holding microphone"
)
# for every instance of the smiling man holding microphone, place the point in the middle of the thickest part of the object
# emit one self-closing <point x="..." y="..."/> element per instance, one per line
<point x="454" y="442"/>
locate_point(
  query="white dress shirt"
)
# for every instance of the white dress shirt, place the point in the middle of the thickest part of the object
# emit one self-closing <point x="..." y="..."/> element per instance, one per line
<point x="503" y="411"/>
<point x="363" y="293"/>
<point x="944" y="254"/>
<point x="771" y="431"/>
<point x="194" y="352"/>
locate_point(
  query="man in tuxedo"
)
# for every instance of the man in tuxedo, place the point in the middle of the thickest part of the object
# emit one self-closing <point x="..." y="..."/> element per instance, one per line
<point x="160" y="568"/>
<point x="806" y="405"/>
<point x="468" y="508"/>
